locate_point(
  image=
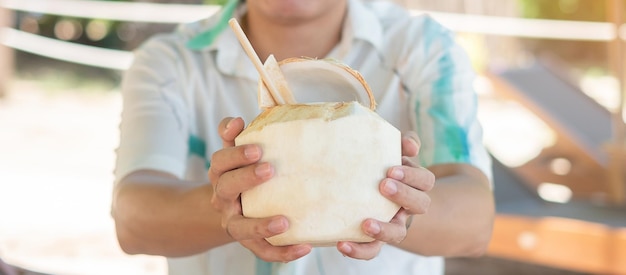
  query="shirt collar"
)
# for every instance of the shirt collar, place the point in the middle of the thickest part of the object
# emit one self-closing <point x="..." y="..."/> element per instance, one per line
<point x="361" y="24"/>
<point x="230" y="57"/>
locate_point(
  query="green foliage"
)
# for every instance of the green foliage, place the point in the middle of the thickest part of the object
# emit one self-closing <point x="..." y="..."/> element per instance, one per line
<point x="580" y="54"/>
<point x="215" y="2"/>
<point x="529" y="8"/>
<point x="582" y="10"/>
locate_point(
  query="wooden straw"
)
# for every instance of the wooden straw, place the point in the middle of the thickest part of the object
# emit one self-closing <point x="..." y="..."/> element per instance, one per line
<point x="247" y="47"/>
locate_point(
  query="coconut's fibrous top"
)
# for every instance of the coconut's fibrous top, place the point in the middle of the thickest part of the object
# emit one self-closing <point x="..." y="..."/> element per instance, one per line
<point x="323" y="111"/>
<point x="323" y="79"/>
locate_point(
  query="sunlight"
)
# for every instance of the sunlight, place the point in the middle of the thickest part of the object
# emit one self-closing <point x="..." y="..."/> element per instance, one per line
<point x="603" y="89"/>
<point x="512" y="133"/>
<point x="561" y="166"/>
<point x="553" y="192"/>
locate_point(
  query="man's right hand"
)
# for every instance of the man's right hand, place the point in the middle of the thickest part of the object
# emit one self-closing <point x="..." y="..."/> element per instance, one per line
<point x="235" y="169"/>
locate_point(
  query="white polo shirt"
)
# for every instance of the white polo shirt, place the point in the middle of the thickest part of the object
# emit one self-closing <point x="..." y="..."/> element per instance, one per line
<point x="174" y="98"/>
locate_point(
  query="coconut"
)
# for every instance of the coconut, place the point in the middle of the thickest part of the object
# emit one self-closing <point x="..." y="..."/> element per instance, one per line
<point x="329" y="157"/>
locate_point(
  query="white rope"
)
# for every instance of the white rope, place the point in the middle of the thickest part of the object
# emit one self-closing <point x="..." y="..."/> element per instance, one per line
<point x="66" y="51"/>
<point x="121" y="11"/>
<point x="522" y="27"/>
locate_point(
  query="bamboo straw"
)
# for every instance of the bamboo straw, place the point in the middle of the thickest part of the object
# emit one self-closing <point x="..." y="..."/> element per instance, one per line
<point x="268" y="80"/>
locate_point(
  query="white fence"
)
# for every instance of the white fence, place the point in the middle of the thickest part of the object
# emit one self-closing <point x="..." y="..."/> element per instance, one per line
<point x="176" y="13"/>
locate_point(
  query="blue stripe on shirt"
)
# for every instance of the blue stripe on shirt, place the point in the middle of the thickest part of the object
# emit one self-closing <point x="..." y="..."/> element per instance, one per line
<point x="432" y="32"/>
<point x="197" y="147"/>
<point x="449" y="135"/>
<point x="263" y="267"/>
<point x="451" y="138"/>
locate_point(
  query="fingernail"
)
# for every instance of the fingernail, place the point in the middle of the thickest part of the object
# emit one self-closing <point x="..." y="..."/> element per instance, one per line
<point x="374" y="228"/>
<point x="228" y="124"/>
<point x="263" y="170"/>
<point x="390" y="187"/>
<point x="277" y="226"/>
<point x="412" y="138"/>
<point x="345" y="249"/>
<point x="397" y="173"/>
<point x="252" y="152"/>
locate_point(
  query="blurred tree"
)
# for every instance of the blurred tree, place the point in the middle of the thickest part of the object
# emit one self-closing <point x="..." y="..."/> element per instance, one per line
<point x="583" y="10"/>
<point x="141" y="31"/>
<point x="215" y="2"/>
<point x="581" y="54"/>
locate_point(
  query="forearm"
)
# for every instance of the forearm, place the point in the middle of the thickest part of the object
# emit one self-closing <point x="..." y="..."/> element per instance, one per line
<point x="157" y="214"/>
<point x="460" y="218"/>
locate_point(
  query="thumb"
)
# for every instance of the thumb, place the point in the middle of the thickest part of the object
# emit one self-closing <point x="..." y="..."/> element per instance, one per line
<point x="229" y="129"/>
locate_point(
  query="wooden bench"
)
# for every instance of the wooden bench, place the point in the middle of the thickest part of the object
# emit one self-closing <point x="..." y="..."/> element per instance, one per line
<point x="583" y="129"/>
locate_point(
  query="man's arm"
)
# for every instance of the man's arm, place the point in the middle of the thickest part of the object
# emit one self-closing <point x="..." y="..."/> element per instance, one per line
<point x="156" y="213"/>
<point x="459" y="220"/>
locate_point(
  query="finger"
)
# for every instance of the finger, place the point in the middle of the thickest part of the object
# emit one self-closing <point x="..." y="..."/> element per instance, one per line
<point x="269" y="253"/>
<point x="235" y="182"/>
<point x="413" y="200"/>
<point x="410" y="144"/>
<point x="392" y="232"/>
<point x="232" y="158"/>
<point x="252" y="233"/>
<point x="242" y="228"/>
<point x="229" y="128"/>
<point x="416" y="177"/>
<point x="362" y="251"/>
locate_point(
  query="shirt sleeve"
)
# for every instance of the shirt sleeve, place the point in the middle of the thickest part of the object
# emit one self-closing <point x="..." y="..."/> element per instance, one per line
<point x="443" y="103"/>
<point x="154" y="124"/>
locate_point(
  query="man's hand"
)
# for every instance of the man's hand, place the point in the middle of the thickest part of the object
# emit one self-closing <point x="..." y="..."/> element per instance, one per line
<point x="235" y="169"/>
<point x="405" y="185"/>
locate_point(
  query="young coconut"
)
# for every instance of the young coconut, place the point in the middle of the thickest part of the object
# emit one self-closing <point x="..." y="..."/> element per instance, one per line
<point x="329" y="158"/>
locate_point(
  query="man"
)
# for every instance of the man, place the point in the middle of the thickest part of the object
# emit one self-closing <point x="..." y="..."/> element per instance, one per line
<point x="179" y="175"/>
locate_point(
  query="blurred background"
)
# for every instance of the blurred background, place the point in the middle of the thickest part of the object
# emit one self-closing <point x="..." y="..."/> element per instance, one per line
<point x="550" y="81"/>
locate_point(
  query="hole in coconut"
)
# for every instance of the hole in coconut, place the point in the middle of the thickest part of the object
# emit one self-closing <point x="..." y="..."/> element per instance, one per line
<point x="315" y="81"/>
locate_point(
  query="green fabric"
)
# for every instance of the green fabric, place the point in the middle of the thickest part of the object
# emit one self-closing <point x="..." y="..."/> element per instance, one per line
<point x="451" y="137"/>
<point x="206" y="38"/>
<point x="263" y="267"/>
<point x="197" y="147"/>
